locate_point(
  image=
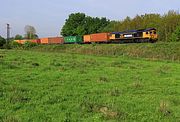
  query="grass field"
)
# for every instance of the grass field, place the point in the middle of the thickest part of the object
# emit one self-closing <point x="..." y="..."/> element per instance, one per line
<point x="48" y="86"/>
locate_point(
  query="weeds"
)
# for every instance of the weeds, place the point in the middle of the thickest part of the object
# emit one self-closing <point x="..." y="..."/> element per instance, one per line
<point x="163" y="69"/>
<point x="9" y="65"/>
<point x="18" y="95"/>
<point x="115" y="92"/>
<point x="176" y="101"/>
<point x="108" y="113"/>
<point x="10" y="119"/>
<point x="55" y="63"/>
<point x="35" y="64"/>
<point x="103" y="79"/>
<point x="137" y="85"/>
<point x="164" y="108"/>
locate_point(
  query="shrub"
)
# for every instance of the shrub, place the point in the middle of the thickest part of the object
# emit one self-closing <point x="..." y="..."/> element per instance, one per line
<point x="7" y="46"/>
<point x="14" y="44"/>
<point x="28" y="44"/>
<point x="175" y="37"/>
<point x="2" y="41"/>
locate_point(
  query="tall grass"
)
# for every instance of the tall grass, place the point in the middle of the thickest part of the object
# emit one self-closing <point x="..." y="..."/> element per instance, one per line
<point x="157" y="51"/>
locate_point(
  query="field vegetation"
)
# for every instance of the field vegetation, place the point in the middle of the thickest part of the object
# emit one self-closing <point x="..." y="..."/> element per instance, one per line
<point x="50" y="83"/>
<point x="158" y="51"/>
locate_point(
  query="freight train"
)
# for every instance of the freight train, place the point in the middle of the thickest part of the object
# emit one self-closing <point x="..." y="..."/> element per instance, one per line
<point x="142" y="35"/>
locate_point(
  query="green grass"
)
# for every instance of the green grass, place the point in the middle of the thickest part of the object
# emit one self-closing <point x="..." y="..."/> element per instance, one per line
<point x="49" y="86"/>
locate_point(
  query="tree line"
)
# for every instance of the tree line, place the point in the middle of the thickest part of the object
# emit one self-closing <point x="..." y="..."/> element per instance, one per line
<point x="167" y="25"/>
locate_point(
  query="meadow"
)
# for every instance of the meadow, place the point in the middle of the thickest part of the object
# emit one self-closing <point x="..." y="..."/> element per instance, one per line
<point x="61" y="86"/>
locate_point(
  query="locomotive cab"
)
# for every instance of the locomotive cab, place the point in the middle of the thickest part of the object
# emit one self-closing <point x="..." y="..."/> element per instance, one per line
<point x="150" y="34"/>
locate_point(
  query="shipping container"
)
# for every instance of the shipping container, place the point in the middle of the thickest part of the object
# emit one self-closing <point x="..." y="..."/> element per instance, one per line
<point x="52" y="40"/>
<point x="56" y="40"/>
<point x="87" y="38"/>
<point x="100" y="37"/>
<point x="73" y="39"/>
<point x="37" y="41"/>
<point x="44" y="40"/>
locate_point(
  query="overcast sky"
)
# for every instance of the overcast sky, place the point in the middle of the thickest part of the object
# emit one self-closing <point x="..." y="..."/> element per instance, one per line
<point x="48" y="16"/>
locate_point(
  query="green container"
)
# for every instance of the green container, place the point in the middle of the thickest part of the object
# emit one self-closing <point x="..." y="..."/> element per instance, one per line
<point x="73" y="39"/>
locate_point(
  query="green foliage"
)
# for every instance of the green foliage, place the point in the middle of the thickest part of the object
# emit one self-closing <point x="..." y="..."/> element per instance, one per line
<point x="165" y="24"/>
<point x="2" y="41"/>
<point x="7" y="46"/>
<point x="14" y="44"/>
<point x="80" y="24"/>
<point x="175" y="37"/>
<point x="18" y="37"/>
<point x="44" y="86"/>
<point x="28" y="45"/>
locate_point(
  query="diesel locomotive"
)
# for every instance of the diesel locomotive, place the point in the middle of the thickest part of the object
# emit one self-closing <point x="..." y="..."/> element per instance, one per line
<point x="142" y="35"/>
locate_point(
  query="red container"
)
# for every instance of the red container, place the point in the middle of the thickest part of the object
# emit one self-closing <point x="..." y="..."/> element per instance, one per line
<point x="100" y="37"/>
<point x="52" y="40"/>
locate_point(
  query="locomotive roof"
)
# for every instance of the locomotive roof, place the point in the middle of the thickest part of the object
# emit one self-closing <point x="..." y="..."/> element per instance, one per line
<point x="134" y="31"/>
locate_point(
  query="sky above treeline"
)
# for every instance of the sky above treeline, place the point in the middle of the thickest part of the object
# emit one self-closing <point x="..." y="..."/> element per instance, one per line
<point x="48" y="16"/>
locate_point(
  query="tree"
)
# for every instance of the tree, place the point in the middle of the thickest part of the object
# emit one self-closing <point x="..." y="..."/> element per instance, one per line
<point x="80" y="24"/>
<point x="2" y="41"/>
<point x="30" y="32"/>
<point x="73" y="25"/>
<point x="18" y="37"/>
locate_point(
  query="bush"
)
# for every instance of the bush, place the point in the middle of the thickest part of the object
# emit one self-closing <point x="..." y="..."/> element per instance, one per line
<point x="28" y="44"/>
<point x="7" y="46"/>
<point x="175" y="37"/>
<point x="2" y="41"/>
<point x="14" y="44"/>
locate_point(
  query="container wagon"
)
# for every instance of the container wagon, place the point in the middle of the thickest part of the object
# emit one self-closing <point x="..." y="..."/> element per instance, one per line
<point x="100" y="38"/>
<point x="87" y="39"/>
<point x="52" y="40"/>
<point x="73" y="39"/>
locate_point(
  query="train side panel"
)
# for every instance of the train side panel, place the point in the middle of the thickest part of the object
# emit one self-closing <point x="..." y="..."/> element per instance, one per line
<point x="55" y="40"/>
<point x="100" y="37"/>
<point x="87" y="38"/>
<point x="44" y="40"/>
<point x="73" y="39"/>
